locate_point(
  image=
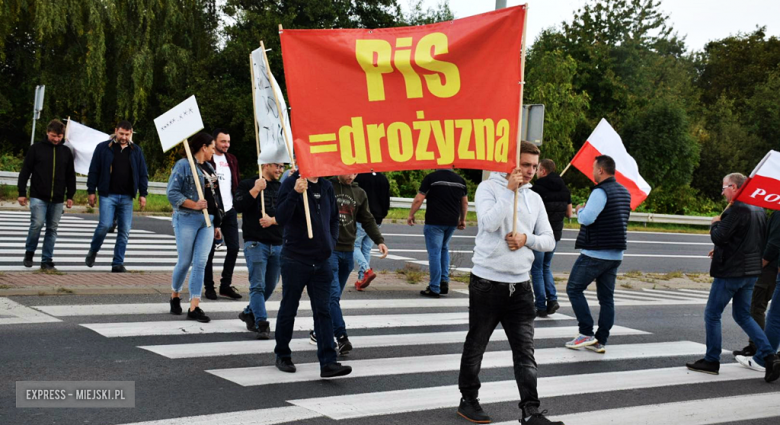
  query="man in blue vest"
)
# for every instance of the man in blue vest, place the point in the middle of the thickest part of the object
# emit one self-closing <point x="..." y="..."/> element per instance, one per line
<point x="603" y="239"/>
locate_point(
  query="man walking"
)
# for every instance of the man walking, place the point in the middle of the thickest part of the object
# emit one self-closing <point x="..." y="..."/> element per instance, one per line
<point x="305" y="264"/>
<point x="603" y="238"/>
<point x="446" y="210"/>
<point x="226" y="166"/>
<point x="262" y="244"/>
<point x="50" y="164"/>
<point x="117" y="172"/>
<point x="738" y="235"/>
<point x="500" y="290"/>
<point x="378" y="191"/>
<point x="557" y="202"/>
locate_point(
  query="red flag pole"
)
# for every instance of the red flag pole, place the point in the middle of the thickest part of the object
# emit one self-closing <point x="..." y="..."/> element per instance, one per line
<point x="520" y="120"/>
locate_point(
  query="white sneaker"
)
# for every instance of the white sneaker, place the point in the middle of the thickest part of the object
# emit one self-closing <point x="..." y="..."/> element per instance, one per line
<point x="749" y="363"/>
<point x="597" y="347"/>
<point x="581" y="341"/>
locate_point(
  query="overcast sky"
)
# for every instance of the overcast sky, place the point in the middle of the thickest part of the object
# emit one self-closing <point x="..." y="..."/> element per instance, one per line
<point x="698" y="20"/>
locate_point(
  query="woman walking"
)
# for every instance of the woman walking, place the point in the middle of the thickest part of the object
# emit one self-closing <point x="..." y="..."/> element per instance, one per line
<point x="193" y="238"/>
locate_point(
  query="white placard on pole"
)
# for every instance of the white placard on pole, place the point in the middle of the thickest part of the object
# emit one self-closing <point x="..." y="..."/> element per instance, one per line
<point x="268" y="113"/>
<point x="179" y="123"/>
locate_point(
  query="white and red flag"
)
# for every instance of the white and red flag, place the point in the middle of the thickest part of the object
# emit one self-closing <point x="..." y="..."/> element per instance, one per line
<point x="605" y="141"/>
<point x="763" y="187"/>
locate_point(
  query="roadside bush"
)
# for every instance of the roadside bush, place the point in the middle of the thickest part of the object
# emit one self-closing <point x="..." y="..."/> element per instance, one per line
<point x="11" y="162"/>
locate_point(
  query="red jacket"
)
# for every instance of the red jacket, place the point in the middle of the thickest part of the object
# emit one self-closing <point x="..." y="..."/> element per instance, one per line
<point x="233" y="164"/>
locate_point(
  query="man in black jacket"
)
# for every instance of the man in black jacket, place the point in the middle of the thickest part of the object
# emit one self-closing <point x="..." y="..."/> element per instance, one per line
<point x="262" y="244"/>
<point x="50" y="163"/>
<point x="378" y="190"/>
<point x="738" y="235"/>
<point x="557" y="201"/>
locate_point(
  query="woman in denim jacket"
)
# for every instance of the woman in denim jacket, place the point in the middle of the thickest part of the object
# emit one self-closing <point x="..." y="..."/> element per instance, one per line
<point x="193" y="238"/>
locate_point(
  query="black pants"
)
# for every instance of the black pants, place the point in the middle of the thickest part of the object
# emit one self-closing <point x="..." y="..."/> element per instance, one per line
<point x="230" y="236"/>
<point x="762" y="294"/>
<point x="511" y="305"/>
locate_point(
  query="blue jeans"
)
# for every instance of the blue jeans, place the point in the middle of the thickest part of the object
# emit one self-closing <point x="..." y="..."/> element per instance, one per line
<point x="121" y="208"/>
<point x="437" y="242"/>
<point x="342" y="264"/>
<point x="740" y="290"/>
<point x="544" y="284"/>
<point x="604" y="272"/>
<point x="772" y="328"/>
<point x="43" y="212"/>
<point x="262" y="260"/>
<point x="316" y="278"/>
<point x="362" y="254"/>
<point x="193" y="244"/>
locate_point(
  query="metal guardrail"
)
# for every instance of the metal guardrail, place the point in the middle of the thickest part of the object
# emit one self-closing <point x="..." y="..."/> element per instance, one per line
<point x="11" y="178"/>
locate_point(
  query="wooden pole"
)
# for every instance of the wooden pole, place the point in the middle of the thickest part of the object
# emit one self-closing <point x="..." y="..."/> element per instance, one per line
<point x="197" y="181"/>
<point x="286" y="140"/>
<point x="257" y="134"/>
<point x="520" y="127"/>
<point x="565" y="169"/>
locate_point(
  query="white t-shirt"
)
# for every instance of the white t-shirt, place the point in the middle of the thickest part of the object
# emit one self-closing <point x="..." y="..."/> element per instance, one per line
<point x="225" y="181"/>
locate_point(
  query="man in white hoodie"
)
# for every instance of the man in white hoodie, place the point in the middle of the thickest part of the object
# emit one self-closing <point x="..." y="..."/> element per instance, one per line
<point x="500" y="290"/>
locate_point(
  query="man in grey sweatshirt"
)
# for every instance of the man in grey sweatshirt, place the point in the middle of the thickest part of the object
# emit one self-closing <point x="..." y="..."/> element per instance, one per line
<point x="500" y="290"/>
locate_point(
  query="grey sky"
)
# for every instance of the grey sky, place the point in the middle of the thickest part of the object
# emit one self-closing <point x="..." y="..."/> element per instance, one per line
<point x="698" y="20"/>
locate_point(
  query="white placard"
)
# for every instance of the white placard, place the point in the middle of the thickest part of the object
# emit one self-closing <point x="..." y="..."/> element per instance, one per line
<point x="179" y="123"/>
<point x="82" y="141"/>
<point x="272" y="141"/>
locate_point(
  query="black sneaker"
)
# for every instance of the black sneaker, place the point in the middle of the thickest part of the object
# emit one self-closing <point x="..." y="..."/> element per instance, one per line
<point x="428" y="293"/>
<point x="90" y="260"/>
<point x="444" y="288"/>
<point x="176" y="306"/>
<point x="541" y="313"/>
<point x="198" y="314"/>
<point x="229" y="292"/>
<point x="470" y="410"/>
<point x="332" y="370"/>
<point x="263" y="330"/>
<point x="539" y="419"/>
<point x="552" y="307"/>
<point x="285" y="364"/>
<point x="704" y="366"/>
<point x="344" y="345"/>
<point x="210" y="294"/>
<point x="48" y="267"/>
<point x="772" y="367"/>
<point x="118" y="269"/>
<point x="249" y="319"/>
<point x="28" y="257"/>
<point x="748" y="351"/>
<point x="312" y="338"/>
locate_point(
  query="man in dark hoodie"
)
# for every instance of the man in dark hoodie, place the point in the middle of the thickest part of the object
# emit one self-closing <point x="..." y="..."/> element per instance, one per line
<point x="306" y="264"/>
<point x="557" y="201"/>
<point x="352" y="203"/>
<point x="377" y="188"/>
<point x="50" y="163"/>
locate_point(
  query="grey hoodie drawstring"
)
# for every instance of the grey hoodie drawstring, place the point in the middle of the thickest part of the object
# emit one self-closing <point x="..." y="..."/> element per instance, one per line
<point x="511" y="289"/>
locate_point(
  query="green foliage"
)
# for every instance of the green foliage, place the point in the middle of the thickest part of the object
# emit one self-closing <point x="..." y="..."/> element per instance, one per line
<point x="680" y="200"/>
<point x="11" y="162"/>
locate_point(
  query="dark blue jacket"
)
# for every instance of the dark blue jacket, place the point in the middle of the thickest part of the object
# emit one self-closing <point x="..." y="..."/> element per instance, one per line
<point x="610" y="230"/>
<point x="324" y="220"/>
<point x="100" y="169"/>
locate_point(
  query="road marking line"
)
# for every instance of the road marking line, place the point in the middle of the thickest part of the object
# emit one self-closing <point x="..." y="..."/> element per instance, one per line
<point x="275" y="415"/>
<point x="403" y="401"/>
<point x="696" y="291"/>
<point x="266" y="375"/>
<point x="21" y="314"/>
<point x="253" y="347"/>
<point x="677" y="294"/>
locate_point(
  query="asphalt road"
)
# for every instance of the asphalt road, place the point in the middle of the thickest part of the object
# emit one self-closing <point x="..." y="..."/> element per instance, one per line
<point x="189" y="373"/>
<point x="152" y="247"/>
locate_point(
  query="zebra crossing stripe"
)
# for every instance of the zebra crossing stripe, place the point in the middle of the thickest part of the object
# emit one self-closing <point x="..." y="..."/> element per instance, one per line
<point x="675" y="293"/>
<point x="404" y="401"/>
<point x="234" y="348"/>
<point x="276" y="415"/>
<point x="696" y="291"/>
<point x="12" y="313"/>
<point x="187" y="327"/>
<point x="265" y="375"/>
<point x="694" y="412"/>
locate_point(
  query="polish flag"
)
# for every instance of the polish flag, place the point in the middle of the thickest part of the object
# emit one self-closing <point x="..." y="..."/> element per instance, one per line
<point x="605" y="141"/>
<point x="763" y="187"/>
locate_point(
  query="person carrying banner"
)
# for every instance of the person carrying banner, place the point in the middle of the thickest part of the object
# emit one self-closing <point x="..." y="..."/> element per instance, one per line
<point x="378" y="191"/>
<point x="117" y="173"/>
<point x="738" y="235"/>
<point x="262" y="244"/>
<point x="306" y="264"/>
<point x="500" y="289"/>
<point x="603" y="238"/>
<point x="352" y="203"/>
<point x="226" y="166"/>
<point x="446" y="210"/>
<point x="193" y="237"/>
<point x="557" y="202"/>
<point x="766" y="283"/>
<point x="49" y="166"/>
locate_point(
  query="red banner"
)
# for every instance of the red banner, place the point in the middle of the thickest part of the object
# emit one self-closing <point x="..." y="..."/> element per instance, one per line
<point x="435" y="96"/>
